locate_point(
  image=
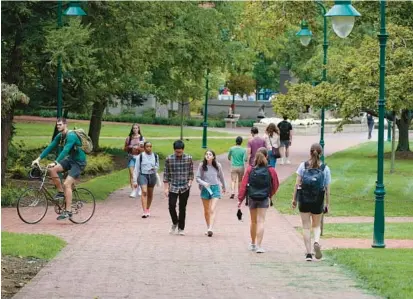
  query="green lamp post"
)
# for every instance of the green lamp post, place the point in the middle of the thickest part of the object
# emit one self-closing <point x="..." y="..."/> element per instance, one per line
<point x="343" y="14"/>
<point x="205" y="124"/>
<point x="73" y="9"/>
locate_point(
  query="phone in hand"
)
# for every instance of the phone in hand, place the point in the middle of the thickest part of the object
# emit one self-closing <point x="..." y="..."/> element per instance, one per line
<point x="325" y="210"/>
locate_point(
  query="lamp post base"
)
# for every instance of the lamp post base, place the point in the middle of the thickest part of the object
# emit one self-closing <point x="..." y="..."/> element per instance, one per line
<point x="378" y="245"/>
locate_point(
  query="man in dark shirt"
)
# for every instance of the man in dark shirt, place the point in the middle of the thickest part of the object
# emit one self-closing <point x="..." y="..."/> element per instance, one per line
<point x="370" y="123"/>
<point x="286" y="137"/>
<point x="178" y="177"/>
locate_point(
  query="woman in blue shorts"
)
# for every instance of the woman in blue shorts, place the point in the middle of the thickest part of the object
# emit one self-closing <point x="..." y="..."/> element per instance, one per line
<point x="133" y="146"/>
<point x="209" y="178"/>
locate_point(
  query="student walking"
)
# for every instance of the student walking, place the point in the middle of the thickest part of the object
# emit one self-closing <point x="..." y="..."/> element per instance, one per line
<point x="370" y="124"/>
<point x="311" y="187"/>
<point x="272" y="142"/>
<point x="238" y="156"/>
<point x="147" y="164"/>
<point x="178" y="177"/>
<point x="133" y="147"/>
<point x="260" y="183"/>
<point x="286" y="137"/>
<point x="253" y="145"/>
<point x="209" y="177"/>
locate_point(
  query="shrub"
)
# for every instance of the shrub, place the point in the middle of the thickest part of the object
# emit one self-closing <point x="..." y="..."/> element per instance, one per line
<point x="19" y="172"/>
<point x="101" y="163"/>
<point x="246" y="122"/>
<point x="10" y="195"/>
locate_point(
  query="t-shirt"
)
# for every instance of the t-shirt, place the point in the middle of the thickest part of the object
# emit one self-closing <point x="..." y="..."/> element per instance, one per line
<point x="133" y="147"/>
<point x="254" y="144"/>
<point x="238" y="156"/>
<point x="327" y="173"/>
<point x="370" y="119"/>
<point x="285" y="128"/>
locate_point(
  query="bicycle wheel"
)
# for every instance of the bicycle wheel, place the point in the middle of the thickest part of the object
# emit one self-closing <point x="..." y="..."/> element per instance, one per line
<point x="32" y="205"/>
<point x="83" y="206"/>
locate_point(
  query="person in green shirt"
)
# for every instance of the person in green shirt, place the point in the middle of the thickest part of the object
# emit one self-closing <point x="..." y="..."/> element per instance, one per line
<point x="71" y="158"/>
<point x="238" y="156"/>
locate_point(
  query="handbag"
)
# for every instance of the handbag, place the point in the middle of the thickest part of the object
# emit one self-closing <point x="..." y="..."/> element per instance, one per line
<point x="275" y="150"/>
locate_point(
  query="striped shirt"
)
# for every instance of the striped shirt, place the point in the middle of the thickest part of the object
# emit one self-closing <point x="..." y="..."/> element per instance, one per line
<point x="178" y="172"/>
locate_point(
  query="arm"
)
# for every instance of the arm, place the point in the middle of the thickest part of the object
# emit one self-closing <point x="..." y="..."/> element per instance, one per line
<point x="221" y="177"/>
<point x="229" y="154"/>
<point x="297" y="183"/>
<point x="51" y="146"/>
<point x="248" y="154"/>
<point x="291" y="133"/>
<point x="191" y="171"/>
<point x="275" y="182"/>
<point x="136" y="171"/>
<point x="243" y="186"/>
<point x="156" y="162"/>
<point x="199" y="175"/>
<point x="166" y="177"/>
<point x="71" y="139"/>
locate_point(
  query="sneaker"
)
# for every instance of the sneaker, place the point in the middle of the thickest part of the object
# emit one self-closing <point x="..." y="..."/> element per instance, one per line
<point x="317" y="250"/>
<point x="59" y="195"/>
<point x="281" y="161"/>
<point x="173" y="229"/>
<point x="287" y="162"/>
<point x="148" y="213"/>
<point x="64" y="215"/>
<point x="252" y="247"/>
<point x="139" y="191"/>
<point x="232" y="196"/>
<point x="309" y="257"/>
<point x="181" y="232"/>
<point x="133" y="193"/>
<point x="210" y="233"/>
<point x="260" y="250"/>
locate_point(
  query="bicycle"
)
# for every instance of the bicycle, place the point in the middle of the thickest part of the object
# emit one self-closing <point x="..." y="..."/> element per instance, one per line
<point x="32" y="205"/>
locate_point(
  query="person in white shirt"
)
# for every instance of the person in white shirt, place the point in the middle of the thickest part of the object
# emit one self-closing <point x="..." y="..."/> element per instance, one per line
<point x="146" y="166"/>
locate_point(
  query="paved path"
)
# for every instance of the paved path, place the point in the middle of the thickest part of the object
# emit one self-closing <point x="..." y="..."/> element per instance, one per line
<point x="119" y="255"/>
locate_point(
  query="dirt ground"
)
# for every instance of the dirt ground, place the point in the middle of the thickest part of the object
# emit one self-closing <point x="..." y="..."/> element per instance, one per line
<point x="16" y="272"/>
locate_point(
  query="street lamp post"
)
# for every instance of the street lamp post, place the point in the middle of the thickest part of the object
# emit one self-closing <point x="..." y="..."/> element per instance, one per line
<point x="205" y="124"/>
<point x="74" y="9"/>
<point x="378" y="235"/>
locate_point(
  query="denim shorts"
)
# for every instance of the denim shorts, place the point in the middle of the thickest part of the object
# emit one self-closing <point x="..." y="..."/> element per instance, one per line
<point x="147" y="179"/>
<point x="258" y="204"/>
<point x="74" y="168"/>
<point x="131" y="160"/>
<point x="285" y="143"/>
<point x="216" y="192"/>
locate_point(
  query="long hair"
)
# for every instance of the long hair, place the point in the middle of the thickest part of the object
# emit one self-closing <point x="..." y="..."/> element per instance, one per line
<point x="271" y="129"/>
<point x="205" y="162"/>
<point x="315" y="154"/>
<point x="131" y="133"/>
<point x="260" y="160"/>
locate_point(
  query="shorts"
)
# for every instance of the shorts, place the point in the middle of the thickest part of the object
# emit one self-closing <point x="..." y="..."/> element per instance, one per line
<point x="259" y="204"/>
<point x="285" y="143"/>
<point x="131" y="161"/>
<point x="216" y="192"/>
<point x="237" y="173"/>
<point x="73" y="167"/>
<point x="147" y="179"/>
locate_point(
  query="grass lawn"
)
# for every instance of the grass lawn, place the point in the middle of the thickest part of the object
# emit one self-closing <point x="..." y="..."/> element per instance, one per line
<point x="112" y="130"/>
<point x="28" y="245"/>
<point x="401" y="231"/>
<point x="354" y="173"/>
<point x="388" y="272"/>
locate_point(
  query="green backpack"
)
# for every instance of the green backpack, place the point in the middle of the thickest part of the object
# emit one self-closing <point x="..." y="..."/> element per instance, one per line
<point x="87" y="144"/>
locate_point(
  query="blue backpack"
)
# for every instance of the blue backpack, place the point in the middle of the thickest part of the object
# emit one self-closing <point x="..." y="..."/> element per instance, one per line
<point x="259" y="183"/>
<point x="312" y="184"/>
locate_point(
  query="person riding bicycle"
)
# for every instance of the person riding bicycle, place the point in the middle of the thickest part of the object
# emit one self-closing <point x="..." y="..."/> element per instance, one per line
<point x="71" y="158"/>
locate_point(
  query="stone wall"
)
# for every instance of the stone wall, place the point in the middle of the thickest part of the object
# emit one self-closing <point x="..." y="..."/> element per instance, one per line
<point x="315" y="129"/>
<point x="246" y="109"/>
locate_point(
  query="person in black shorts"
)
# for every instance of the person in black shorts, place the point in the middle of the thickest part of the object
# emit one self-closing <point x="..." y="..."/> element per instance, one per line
<point x="311" y="209"/>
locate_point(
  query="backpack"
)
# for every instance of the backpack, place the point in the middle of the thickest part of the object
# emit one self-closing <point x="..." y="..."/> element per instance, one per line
<point x="312" y="184"/>
<point x="140" y="161"/>
<point x="87" y="144"/>
<point x="259" y="183"/>
<point x="284" y="130"/>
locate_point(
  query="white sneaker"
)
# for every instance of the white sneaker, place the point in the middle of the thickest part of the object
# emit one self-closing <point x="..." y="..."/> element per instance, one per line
<point x="173" y="229"/>
<point x="181" y="232"/>
<point x="260" y="250"/>
<point x="252" y="247"/>
<point x="133" y="193"/>
<point x="139" y="191"/>
<point x="288" y="162"/>
<point x="281" y="161"/>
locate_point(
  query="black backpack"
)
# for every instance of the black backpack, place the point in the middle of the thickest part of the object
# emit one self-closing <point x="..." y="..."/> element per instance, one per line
<point x="284" y="130"/>
<point x="259" y="183"/>
<point x="312" y="184"/>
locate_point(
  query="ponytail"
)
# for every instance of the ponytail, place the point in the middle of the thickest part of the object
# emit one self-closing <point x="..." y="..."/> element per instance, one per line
<point x="315" y="154"/>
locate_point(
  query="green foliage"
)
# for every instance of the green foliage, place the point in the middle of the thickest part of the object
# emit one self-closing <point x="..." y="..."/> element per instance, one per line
<point x="31" y="245"/>
<point x="98" y="164"/>
<point x="382" y="271"/>
<point x="10" y="96"/>
<point x="10" y="195"/>
<point x="241" y="84"/>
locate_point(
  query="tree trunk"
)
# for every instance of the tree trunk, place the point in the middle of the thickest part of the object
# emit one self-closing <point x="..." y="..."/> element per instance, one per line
<point x="6" y="127"/>
<point x="96" y="122"/>
<point x="403" y="125"/>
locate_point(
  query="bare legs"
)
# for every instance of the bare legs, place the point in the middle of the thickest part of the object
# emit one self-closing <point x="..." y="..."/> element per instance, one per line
<point x="257" y="226"/>
<point x="309" y="220"/>
<point x="67" y="185"/>
<point x="146" y="199"/>
<point x="210" y="213"/>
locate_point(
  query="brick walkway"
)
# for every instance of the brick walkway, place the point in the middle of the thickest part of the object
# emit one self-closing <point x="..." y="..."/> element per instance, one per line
<point x="120" y="255"/>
